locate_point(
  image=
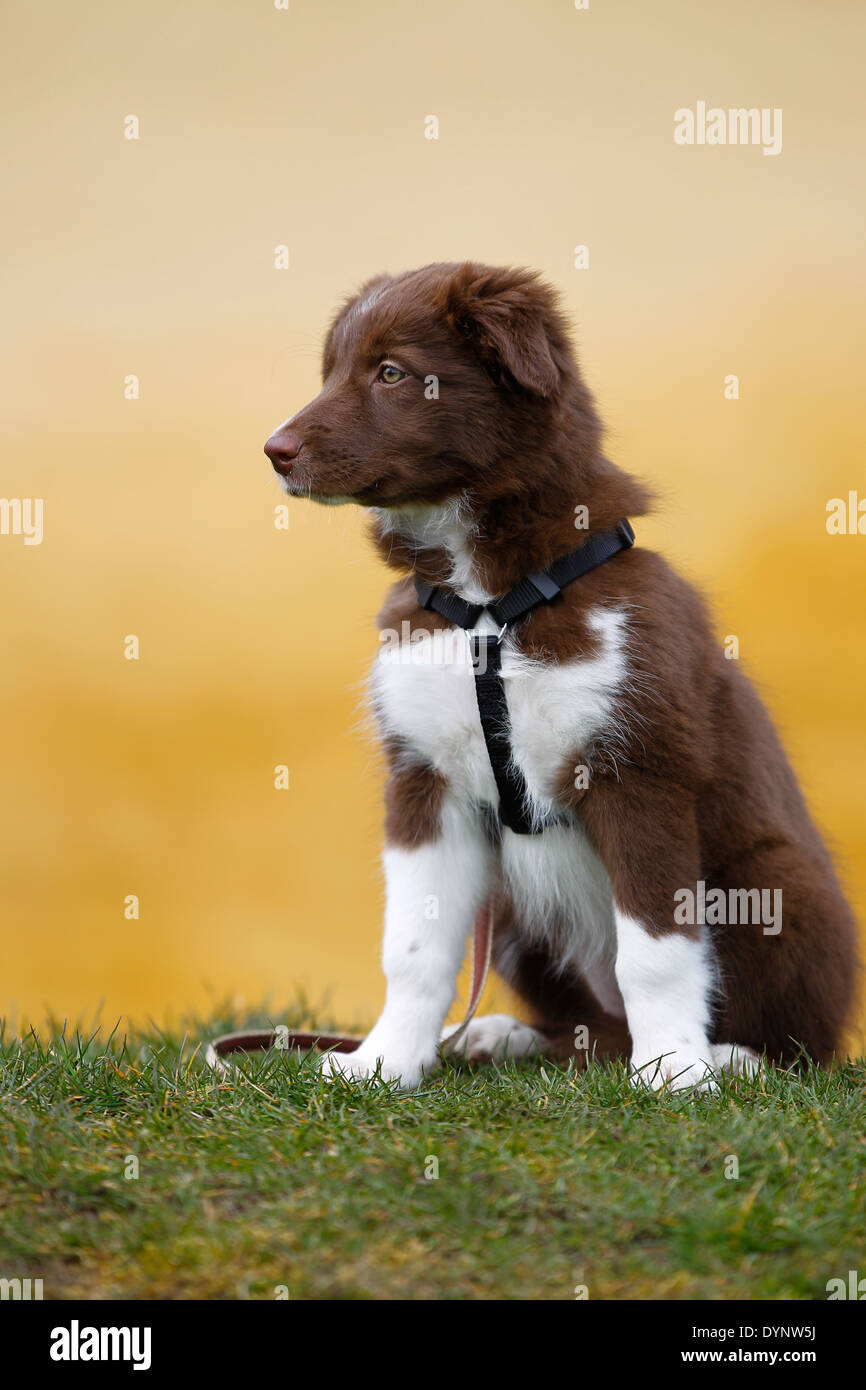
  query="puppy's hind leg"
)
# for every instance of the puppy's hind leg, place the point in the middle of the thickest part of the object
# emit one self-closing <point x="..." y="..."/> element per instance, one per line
<point x="495" y="1037"/>
<point x="566" y="1019"/>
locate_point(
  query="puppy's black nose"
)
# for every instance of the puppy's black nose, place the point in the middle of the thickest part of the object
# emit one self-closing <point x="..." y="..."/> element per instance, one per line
<point x="282" y="449"/>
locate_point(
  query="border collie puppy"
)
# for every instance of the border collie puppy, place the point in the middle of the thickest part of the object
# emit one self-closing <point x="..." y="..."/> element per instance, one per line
<point x="566" y="743"/>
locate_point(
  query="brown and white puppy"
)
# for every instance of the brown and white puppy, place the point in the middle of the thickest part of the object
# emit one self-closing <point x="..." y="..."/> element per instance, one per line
<point x="452" y="407"/>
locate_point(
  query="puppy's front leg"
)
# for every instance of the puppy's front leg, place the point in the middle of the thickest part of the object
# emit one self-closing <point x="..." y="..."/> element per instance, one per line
<point x="433" y="891"/>
<point x="665" y="981"/>
<point x="646" y="834"/>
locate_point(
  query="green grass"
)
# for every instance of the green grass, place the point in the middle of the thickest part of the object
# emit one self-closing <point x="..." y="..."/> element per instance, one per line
<point x="548" y="1178"/>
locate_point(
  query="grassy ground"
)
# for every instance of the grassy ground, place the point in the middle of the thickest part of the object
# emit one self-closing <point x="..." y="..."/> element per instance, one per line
<point x="547" y="1179"/>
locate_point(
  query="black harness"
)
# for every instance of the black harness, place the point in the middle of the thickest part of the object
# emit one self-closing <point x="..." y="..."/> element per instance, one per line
<point x="542" y="586"/>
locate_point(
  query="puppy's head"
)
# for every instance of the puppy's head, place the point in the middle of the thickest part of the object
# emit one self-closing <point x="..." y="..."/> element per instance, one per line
<point x="435" y="382"/>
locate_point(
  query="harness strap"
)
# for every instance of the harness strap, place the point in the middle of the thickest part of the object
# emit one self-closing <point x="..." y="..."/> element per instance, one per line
<point x="493" y="712"/>
<point x="541" y="586"/>
<point x="451" y="606"/>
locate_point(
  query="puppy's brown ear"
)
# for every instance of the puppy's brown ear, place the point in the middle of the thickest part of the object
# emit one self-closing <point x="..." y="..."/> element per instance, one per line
<point x="512" y="320"/>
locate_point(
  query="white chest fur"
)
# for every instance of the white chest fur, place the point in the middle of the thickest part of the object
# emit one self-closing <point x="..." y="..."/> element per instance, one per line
<point x="424" y="694"/>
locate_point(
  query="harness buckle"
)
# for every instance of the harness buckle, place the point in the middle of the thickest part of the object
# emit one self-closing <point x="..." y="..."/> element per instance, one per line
<point x="544" y="584"/>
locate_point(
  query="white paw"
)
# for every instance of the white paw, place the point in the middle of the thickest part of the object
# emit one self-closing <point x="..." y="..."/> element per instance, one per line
<point x="494" y="1037"/>
<point x="364" y="1064"/>
<point x="677" y="1069"/>
<point x="736" y="1059"/>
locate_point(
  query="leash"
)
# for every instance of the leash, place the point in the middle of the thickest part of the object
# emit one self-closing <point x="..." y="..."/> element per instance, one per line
<point x="284" y="1041"/>
<point x="482" y="947"/>
<point x="541" y="586"/>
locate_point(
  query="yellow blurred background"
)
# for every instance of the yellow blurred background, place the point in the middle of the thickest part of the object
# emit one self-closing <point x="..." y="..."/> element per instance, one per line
<point x="155" y="258"/>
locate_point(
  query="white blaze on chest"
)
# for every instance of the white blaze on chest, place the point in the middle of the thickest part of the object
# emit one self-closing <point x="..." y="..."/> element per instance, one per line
<point x="424" y="694"/>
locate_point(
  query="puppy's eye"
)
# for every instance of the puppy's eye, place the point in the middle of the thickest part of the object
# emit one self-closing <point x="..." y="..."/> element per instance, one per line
<point x="390" y="374"/>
